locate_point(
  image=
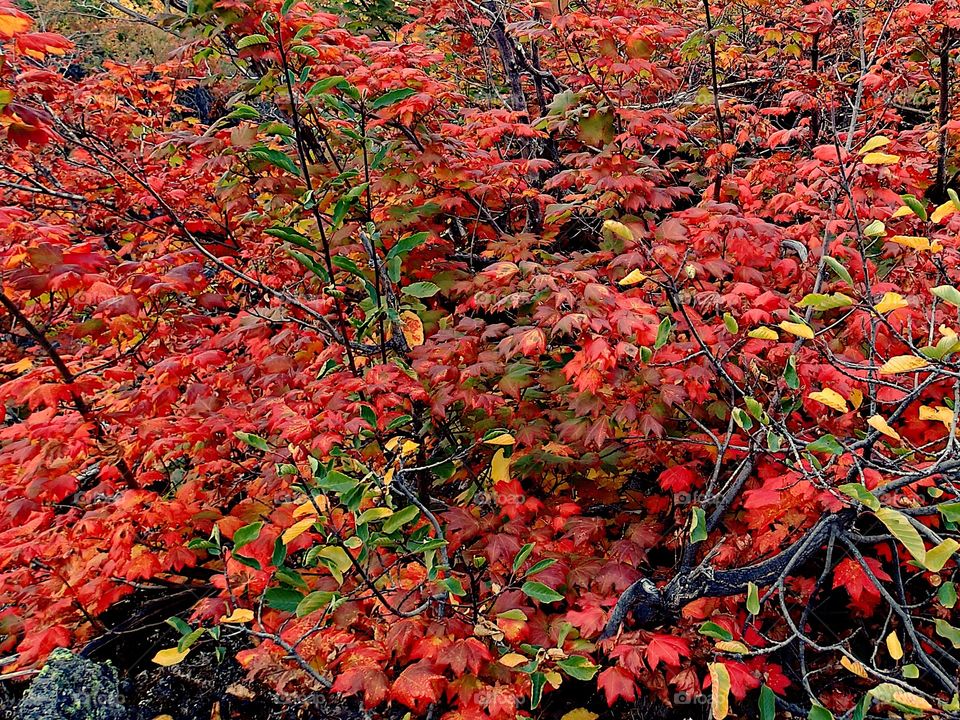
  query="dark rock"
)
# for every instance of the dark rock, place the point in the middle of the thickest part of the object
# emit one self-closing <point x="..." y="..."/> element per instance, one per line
<point x="72" y="688"/>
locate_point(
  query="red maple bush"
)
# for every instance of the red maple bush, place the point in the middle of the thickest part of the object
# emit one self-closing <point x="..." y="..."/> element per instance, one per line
<point x="475" y="350"/>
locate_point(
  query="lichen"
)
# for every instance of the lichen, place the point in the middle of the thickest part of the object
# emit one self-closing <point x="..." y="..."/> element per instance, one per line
<point x="72" y="688"/>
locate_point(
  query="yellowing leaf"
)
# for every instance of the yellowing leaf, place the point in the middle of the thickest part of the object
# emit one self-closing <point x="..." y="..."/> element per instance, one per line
<point x="310" y="508"/>
<point x="170" y="656"/>
<point x="619" y="229"/>
<point x="799" y="329"/>
<point x="902" y="211"/>
<point x="763" y="333"/>
<point x="903" y="530"/>
<point x="512" y="660"/>
<point x="943" y="211"/>
<point x="855" y="667"/>
<point x="879" y="158"/>
<point x="856" y="398"/>
<point x="240" y="615"/>
<point x="13" y="22"/>
<point x="894" y="647"/>
<point x="504" y="439"/>
<point x="937" y="557"/>
<point x="891" y="301"/>
<point x="554" y="678"/>
<point x="580" y="714"/>
<point x="632" y="278"/>
<point x="719" y="690"/>
<point x="877" y="141"/>
<point x="412" y="328"/>
<point x="296" y="530"/>
<point x="913" y="242"/>
<point x="830" y="398"/>
<point x="732" y="646"/>
<point x="500" y="467"/>
<point x="409" y="447"/>
<point x="881" y="426"/>
<point x="902" y="364"/>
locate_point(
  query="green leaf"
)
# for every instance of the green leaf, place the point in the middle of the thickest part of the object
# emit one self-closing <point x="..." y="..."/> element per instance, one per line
<point x="453" y="586"/>
<point x="823" y="303"/>
<point x="753" y="599"/>
<point x="900" y="527"/>
<point x="819" y="712"/>
<point x="521" y="556"/>
<point x="274" y="157"/>
<point x="730" y="323"/>
<point x="290" y="235"/>
<point x="918" y="208"/>
<point x="283" y="599"/>
<point x="839" y="270"/>
<point x="309" y="264"/>
<point x="860" y="711"/>
<point x="826" y="444"/>
<point x="717" y="632"/>
<point x="537" y="681"/>
<point x="947" y="293"/>
<point x="394" y="96"/>
<point x="859" y="492"/>
<point x="663" y="333"/>
<point x="400" y="518"/>
<point x="767" y="703"/>
<point x="421" y="289"/>
<point x="539" y="567"/>
<point x="315" y="601"/>
<point x="325" y="85"/>
<point x="251" y="40"/>
<point x="578" y="667"/>
<point x="948" y="632"/>
<point x="540" y="592"/>
<point x="246" y="535"/>
<point x="947" y="595"/>
<point x="254" y="441"/>
<point x="405" y="245"/>
<point x="698" y="526"/>
<point x="950" y="511"/>
<point x="790" y="376"/>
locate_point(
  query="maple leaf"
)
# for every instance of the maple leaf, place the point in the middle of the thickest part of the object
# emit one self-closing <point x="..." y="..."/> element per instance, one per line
<point x="417" y="686"/>
<point x="668" y="649"/>
<point x="616" y="684"/>
<point x="850" y="575"/>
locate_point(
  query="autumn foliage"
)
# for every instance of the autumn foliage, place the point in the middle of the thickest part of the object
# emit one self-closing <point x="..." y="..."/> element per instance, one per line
<point x="476" y="352"/>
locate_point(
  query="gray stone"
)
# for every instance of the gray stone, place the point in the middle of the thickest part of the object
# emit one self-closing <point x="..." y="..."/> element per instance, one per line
<point x="72" y="688"/>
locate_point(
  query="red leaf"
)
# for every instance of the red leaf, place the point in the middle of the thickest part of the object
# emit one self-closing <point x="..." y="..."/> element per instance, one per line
<point x="417" y="686"/>
<point x="617" y="683"/>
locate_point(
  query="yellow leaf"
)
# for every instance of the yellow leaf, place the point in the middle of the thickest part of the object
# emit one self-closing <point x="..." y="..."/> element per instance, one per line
<point x="881" y="426"/>
<point x="856" y="398"/>
<point x="18" y="367"/>
<point x="879" y="158"/>
<point x="940" y="413"/>
<point x="619" y="229"/>
<point x="913" y="242"/>
<point x="580" y="714"/>
<point x="240" y="615"/>
<point x="504" y="439"/>
<point x="296" y="530"/>
<point x="799" y="329"/>
<point x="938" y="556"/>
<point x="719" y="690"/>
<point x="409" y="447"/>
<point x="902" y="364"/>
<point x="170" y="656"/>
<point x="512" y="660"/>
<point x="554" y="678"/>
<point x="412" y="328"/>
<point x="732" y="646"/>
<point x="500" y="467"/>
<point x="891" y="301"/>
<point x="902" y="211"/>
<point x="911" y="700"/>
<point x="308" y="508"/>
<point x="830" y="398"/>
<point x="877" y="141"/>
<point x="856" y="668"/>
<point x="632" y="278"/>
<point x="943" y="211"/>
<point x="894" y="647"/>
<point x="763" y="333"/>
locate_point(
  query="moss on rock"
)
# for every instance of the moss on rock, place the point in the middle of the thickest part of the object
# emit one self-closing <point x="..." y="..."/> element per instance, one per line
<point x="72" y="688"/>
